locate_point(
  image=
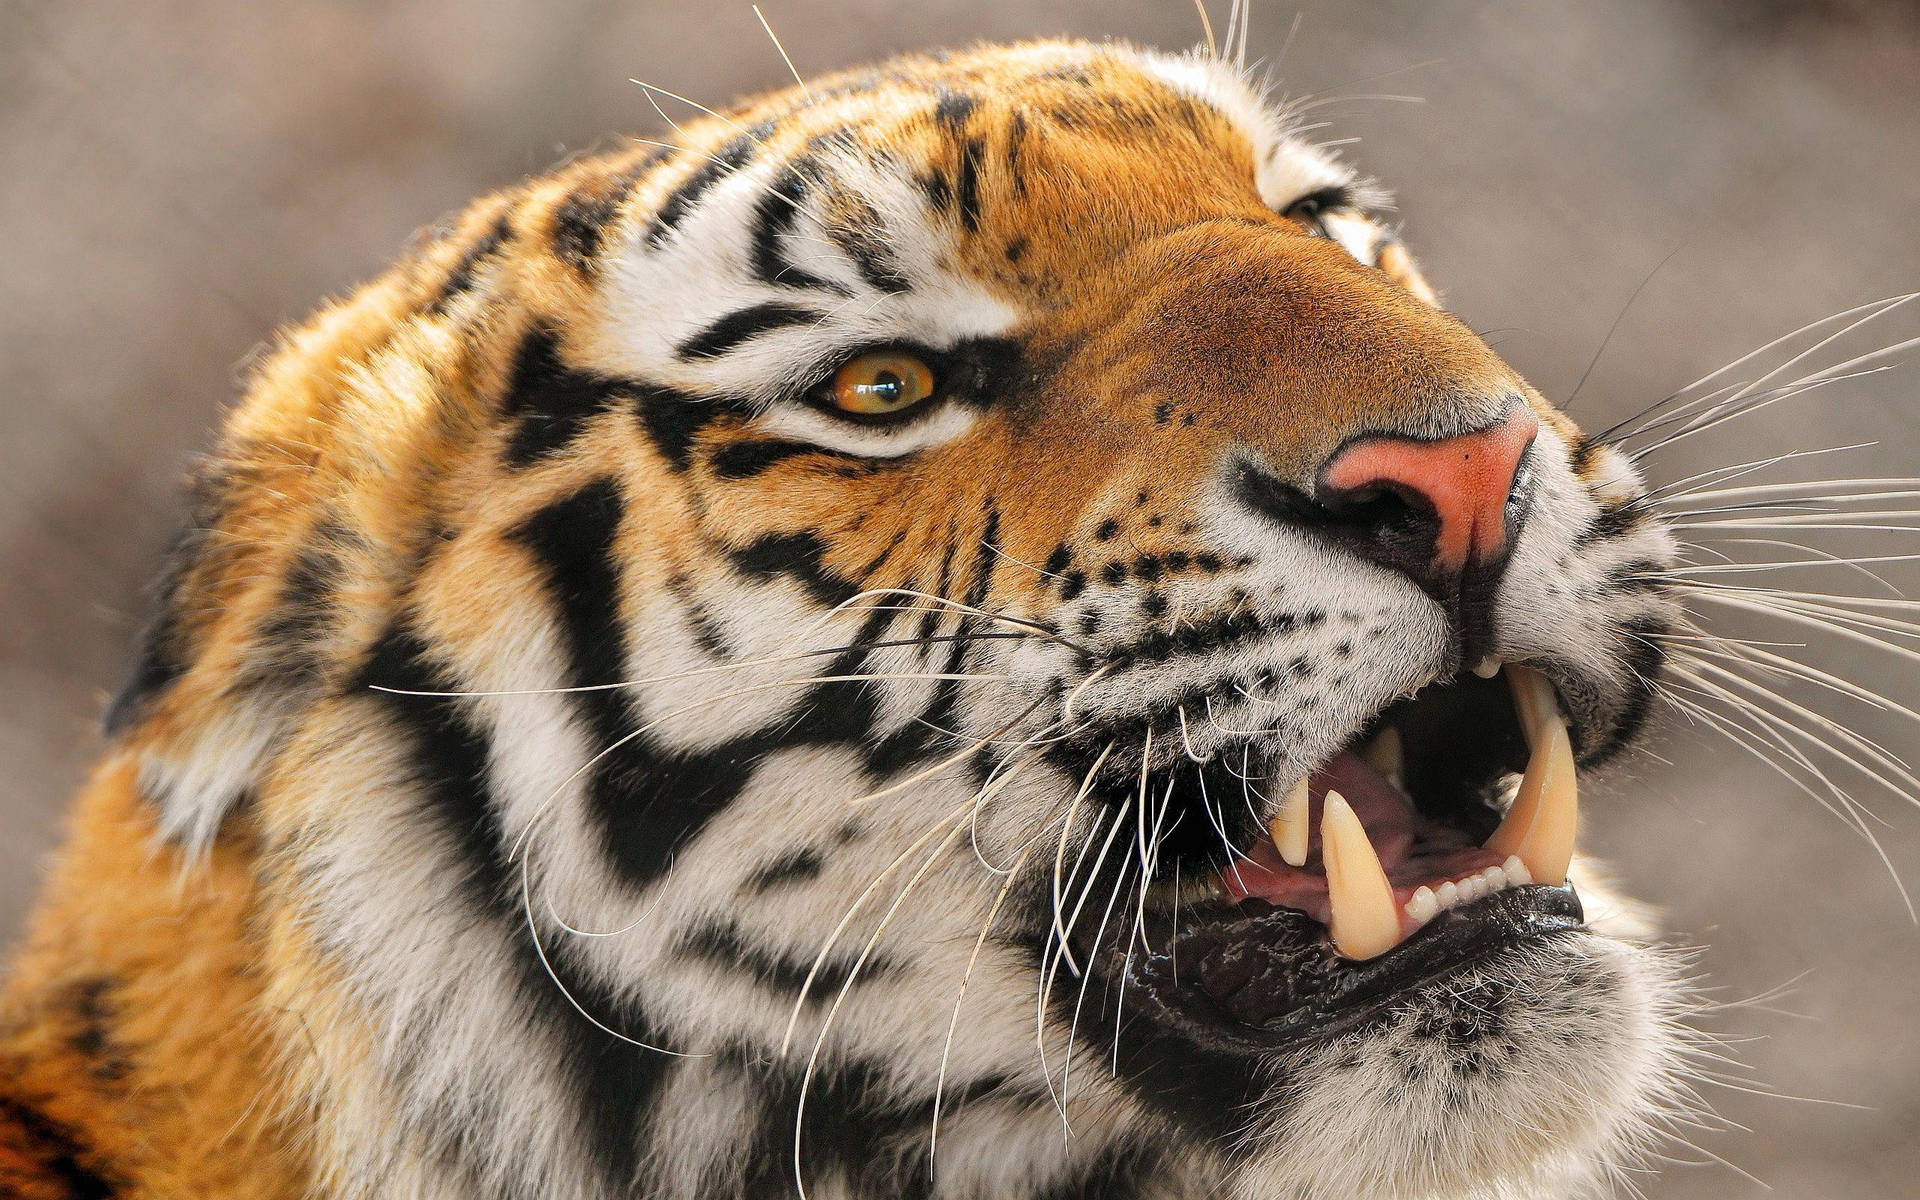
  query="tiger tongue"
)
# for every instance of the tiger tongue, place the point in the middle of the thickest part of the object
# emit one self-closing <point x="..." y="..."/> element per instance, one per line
<point x="1384" y="810"/>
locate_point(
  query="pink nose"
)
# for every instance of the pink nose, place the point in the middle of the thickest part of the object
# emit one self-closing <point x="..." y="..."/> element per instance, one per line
<point x="1464" y="481"/>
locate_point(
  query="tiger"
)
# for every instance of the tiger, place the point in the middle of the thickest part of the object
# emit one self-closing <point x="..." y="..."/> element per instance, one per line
<point x="968" y="628"/>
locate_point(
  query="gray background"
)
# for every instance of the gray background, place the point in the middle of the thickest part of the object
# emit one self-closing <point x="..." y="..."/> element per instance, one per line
<point x="180" y="177"/>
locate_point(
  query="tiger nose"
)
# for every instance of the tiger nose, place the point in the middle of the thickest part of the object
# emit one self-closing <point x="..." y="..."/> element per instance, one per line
<point x="1430" y="509"/>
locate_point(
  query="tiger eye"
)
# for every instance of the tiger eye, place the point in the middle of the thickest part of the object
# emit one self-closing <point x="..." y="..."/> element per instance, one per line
<point x="882" y="384"/>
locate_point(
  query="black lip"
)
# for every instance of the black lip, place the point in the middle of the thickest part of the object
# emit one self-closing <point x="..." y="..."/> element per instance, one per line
<point x="1251" y="978"/>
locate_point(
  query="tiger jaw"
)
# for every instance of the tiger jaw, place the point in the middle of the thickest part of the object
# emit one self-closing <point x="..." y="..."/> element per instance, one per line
<point x="1353" y="892"/>
<point x="1366" y="912"/>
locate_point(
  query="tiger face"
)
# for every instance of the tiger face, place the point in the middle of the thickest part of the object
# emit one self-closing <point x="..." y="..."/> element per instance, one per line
<point x="970" y="631"/>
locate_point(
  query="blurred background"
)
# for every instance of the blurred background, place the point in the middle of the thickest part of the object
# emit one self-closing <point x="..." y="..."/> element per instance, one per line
<point x="179" y="178"/>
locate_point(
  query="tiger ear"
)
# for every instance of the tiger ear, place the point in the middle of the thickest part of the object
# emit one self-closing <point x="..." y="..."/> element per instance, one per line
<point x="1400" y="267"/>
<point x="216" y="674"/>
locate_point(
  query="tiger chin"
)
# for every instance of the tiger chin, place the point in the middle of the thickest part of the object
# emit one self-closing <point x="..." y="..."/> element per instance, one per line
<point x="970" y="629"/>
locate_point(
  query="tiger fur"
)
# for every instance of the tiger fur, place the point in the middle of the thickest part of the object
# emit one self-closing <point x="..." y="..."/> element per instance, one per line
<point x="559" y="748"/>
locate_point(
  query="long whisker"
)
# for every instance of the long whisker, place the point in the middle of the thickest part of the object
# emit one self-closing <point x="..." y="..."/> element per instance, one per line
<point x="953" y="1022"/>
<point x="1609" y="434"/>
<point x="1854" y="809"/>
<point x="540" y="949"/>
<point x="1055" y="948"/>
<point x="1060" y="855"/>
<point x="717" y="669"/>
<point x="1099" y="933"/>
<point x="1206" y="28"/>
<point x="775" y="39"/>
<point x="813" y="1059"/>
<point x="1020" y="622"/>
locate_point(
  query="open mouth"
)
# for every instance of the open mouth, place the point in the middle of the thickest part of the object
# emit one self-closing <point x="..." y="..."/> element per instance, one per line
<point x="1438" y="837"/>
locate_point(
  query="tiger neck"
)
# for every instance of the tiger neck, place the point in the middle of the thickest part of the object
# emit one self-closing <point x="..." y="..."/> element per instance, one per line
<point x="133" y="1050"/>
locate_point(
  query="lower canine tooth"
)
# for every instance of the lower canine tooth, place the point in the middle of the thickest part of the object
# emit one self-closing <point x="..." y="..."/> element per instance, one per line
<point x="1366" y="921"/>
<point x="1539" y="829"/>
<point x="1291" y="830"/>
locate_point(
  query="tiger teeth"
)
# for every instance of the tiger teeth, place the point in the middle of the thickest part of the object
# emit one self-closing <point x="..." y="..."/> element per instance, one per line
<point x="1539" y="828"/>
<point x="1428" y="902"/>
<point x="1535" y="838"/>
<point x="1291" y="830"/>
<point x="1365" y="920"/>
<point x="1423" y="905"/>
<point x="1387" y="754"/>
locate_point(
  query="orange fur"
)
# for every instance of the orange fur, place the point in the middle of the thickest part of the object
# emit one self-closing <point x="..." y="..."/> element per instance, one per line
<point x="133" y="1045"/>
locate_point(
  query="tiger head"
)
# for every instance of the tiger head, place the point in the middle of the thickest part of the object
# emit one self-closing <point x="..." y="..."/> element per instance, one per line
<point x="970" y="630"/>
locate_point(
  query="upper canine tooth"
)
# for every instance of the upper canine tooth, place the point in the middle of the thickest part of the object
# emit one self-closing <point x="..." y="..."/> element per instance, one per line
<point x="1291" y="830"/>
<point x="1487" y="667"/>
<point x="1539" y="829"/>
<point x="1533" y="701"/>
<point x="1387" y="754"/>
<point x="1366" y="921"/>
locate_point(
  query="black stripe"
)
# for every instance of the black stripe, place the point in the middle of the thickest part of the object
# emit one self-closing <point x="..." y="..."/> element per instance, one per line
<point x="303" y="613"/>
<point x="549" y="402"/>
<point x="681" y="201"/>
<point x="53" y="1152"/>
<point x="943" y="586"/>
<point x="673" y="419"/>
<point x="934" y="186"/>
<point x="772" y="219"/>
<point x="460" y="279"/>
<point x="953" y="108"/>
<point x="874" y="563"/>
<point x="744" y="460"/>
<point x="864" y="242"/>
<point x="743" y="325"/>
<point x="1643" y="655"/>
<point x="915" y="739"/>
<point x="580" y="220"/>
<point x="1613" y="521"/>
<point x="968" y="188"/>
<point x="799" y="555"/>
<point x="163" y="651"/>
<point x="708" y="635"/>
<point x="721" y="942"/>
<point x="650" y="801"/>
<point x="647" y="802"/>
<point x="856" y="1130"/>
<point x="794" y="866"/>
<point x="986" y="560"/>
<point x="617" y="1083"/>
<point x="1016" y="142"/>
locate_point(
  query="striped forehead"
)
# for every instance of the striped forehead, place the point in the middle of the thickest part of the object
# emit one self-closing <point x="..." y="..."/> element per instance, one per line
<point x="784" y="236"/>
